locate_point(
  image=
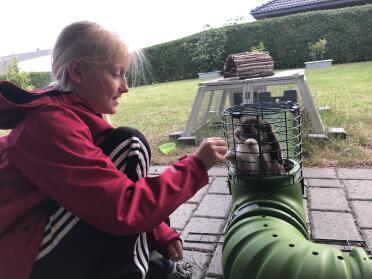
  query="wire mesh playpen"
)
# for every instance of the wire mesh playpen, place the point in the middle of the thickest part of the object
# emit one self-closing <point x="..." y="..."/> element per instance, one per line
<point x="208" y="119"/>
<point x="263" y="138"/>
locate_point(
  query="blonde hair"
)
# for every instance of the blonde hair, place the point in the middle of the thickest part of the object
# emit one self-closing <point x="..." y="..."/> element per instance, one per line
<point x="88" y="42"/>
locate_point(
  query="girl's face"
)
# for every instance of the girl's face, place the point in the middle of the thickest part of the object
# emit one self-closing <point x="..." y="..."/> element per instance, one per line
<point x="100" y="87"/>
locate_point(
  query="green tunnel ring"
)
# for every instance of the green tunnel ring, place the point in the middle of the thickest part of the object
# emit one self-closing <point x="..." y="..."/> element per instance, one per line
<point x="261" y="242"/>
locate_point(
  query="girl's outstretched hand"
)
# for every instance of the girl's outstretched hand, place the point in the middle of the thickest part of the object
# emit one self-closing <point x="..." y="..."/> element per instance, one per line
<point x="211" y="151"/>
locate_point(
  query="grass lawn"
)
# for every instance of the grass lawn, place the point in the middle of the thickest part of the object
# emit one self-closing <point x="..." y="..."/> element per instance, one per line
<point x="160" y="109"/>
<point x="347" y="89"/>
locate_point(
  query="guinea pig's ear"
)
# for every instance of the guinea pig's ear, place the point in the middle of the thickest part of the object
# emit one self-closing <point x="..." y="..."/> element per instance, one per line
<point x="246" y="122"/>
<point x="247" y="119"/>
<point x="242" y="118"/>
<point x="238" y="134"/>
<point x="266" y="127"/>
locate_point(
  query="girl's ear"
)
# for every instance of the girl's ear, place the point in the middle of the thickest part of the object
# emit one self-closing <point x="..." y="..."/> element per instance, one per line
<point x="75" y="71"/>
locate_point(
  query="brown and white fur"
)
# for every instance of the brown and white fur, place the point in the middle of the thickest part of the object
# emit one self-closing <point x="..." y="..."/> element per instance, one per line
<point x="250" y="158"/>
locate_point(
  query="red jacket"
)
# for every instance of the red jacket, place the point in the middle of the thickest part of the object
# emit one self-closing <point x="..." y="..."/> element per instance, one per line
<point x="52" y="152"/>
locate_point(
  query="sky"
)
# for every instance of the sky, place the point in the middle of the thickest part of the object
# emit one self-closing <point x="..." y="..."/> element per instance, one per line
<point x="30" y="25"/>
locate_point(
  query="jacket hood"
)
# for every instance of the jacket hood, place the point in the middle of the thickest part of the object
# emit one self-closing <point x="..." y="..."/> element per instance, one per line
<point x="15" y="102"/>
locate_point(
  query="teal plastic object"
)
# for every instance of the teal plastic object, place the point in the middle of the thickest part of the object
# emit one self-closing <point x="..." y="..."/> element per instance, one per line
<point x="267" y="236"/>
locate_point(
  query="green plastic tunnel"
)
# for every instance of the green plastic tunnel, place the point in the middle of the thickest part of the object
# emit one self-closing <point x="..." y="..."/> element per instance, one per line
<point x="267" y="236"/>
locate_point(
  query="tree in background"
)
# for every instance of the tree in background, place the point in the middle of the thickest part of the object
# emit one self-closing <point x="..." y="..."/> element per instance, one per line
<point x="208" y="50"/>
<point x="18" y="77"/>
<point x="317" y="49"/>
<point x="234" y="21"/>
<point x="259" y="48"/>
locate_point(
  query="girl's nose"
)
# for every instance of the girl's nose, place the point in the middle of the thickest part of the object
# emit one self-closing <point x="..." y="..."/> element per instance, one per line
<point x="124" y="87"/>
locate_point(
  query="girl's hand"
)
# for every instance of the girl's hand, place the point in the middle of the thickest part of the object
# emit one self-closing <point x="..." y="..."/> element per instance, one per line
<point x="211" y="151"/>
<point x="174" y="250"/>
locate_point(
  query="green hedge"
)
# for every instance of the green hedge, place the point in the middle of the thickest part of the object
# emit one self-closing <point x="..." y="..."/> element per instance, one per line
<point x="40" y="79"/>
<point x="37" y="79"/>
<point x="347" y="30"/>
<point x="171" y="61"/>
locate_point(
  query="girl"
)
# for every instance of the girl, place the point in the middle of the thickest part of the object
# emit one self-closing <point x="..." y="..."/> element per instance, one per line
<point x="75" y="199"/>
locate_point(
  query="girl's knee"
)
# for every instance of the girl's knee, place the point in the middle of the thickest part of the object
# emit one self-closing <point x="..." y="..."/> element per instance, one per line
<point x="129" y="151"/>
<point x="130" y="133"/>
<point x="122" y="137"/>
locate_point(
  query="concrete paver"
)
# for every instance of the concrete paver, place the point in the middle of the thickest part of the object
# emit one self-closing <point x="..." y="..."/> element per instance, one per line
<point x="306" y="211"/>
<point x="182" y="215"/>
<point x="334" y="225"/>
<point x="319" y="199"/>
<point x="321" y="182"/>
<point x="363" y="210"/>
<point x="218" y="171"/>
<point x="368" y="237"/>
<point x="359" y="189"/>
<point x="219" y="186"/>
<point x="337" y="204"/>
<point x="156" y="170"/>
<point x="207" y="229"/>
<point x="215" y="267"/>
<point x="344" y="173"/>
<point x="215" y="206"/>
<point x="319" y="173"/>
<point x="197" y="198"/>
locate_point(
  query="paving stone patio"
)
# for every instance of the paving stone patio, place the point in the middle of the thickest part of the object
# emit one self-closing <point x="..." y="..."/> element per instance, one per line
<point x="337" y="201"/>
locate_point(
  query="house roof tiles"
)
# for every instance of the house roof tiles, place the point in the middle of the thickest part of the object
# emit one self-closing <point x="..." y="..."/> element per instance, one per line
<point x="282" y="4"/>
<point x="283" y="7"/>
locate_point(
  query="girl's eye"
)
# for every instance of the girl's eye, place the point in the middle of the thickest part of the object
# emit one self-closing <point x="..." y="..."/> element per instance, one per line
<point x="119" y="75"/>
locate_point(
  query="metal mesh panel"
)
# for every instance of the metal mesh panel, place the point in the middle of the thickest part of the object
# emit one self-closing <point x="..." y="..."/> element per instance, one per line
<point x="209" y="120"/>
<point x="274" y="93"/>
<point x="263" y="138"/>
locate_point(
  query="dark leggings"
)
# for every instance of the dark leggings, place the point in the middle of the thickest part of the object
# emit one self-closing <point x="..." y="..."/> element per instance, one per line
<point x="74" y="249"/>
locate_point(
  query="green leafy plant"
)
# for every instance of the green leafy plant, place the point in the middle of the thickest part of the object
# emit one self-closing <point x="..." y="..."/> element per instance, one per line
<point x="317" y="49"/>
<point x="40" y="79"/>
<point x="259" y="48"/>
<point x="208" y="51"/>
<point x="18" y="77"/>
